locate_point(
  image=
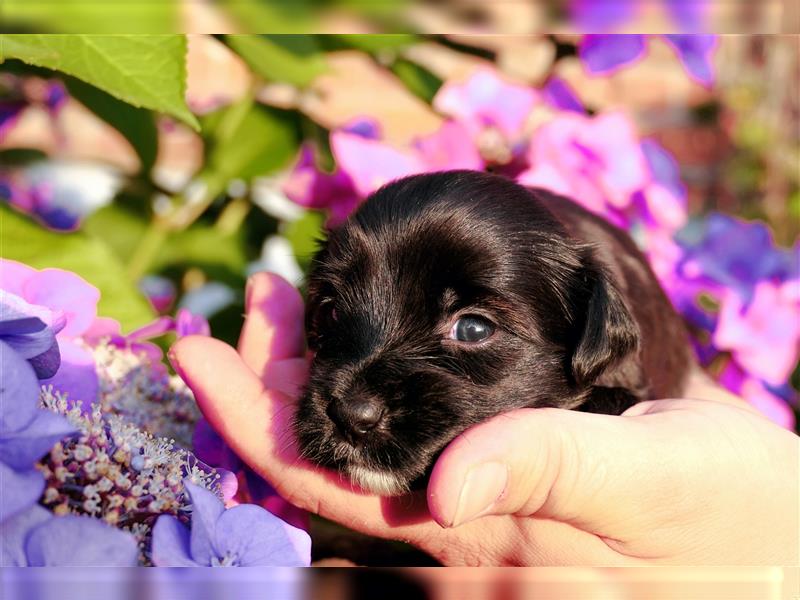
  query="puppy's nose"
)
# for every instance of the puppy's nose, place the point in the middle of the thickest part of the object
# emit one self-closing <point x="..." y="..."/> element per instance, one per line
<point x="357" y="416"/>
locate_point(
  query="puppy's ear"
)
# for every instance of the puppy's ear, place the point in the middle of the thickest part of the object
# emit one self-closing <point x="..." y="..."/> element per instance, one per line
<point x="606" y="332"/>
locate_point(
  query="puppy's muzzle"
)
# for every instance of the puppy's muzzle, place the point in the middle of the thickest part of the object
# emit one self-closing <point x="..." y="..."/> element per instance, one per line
<point x="356" y="416"/>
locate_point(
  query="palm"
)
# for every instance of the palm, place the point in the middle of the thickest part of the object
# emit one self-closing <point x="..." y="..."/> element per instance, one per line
<point x="593" y="498"/>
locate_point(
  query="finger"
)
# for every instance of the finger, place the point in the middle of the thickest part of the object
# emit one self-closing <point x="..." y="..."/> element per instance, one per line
<point x="256" y="424"/>
<point x="273" y="327"/>
<point x="591" y="471"/>
<point x="287" y="376"/>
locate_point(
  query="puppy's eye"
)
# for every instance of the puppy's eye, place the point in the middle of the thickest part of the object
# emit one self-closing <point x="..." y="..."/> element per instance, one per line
<point x="471" y="328"/>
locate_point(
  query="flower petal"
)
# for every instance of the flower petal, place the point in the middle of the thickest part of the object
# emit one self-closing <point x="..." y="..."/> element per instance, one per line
<point x="19" y="391"/>
<point x="371" y="163"/>
<point x="20" y="449"/>
<point x="558" y="94"/>
<point x="65" y="291"/>
<point x="77" y="376"/>
<point x="206" y="509"/>
<point x="694" y="52"/>
<point x="254" y="537"/>
<point x="14" y="531"/>
<point x="74" y="541"/>
<point x="603" y="54"/>
<point x="210" y="448"/>
<point x="13" y="275"/>
<point x="170" y="547"/>
<point x="18" y="489"/>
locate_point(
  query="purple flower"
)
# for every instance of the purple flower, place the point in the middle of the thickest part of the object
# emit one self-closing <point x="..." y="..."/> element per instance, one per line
<point x="31" y="331"/>
<point x="730" y="253"/>
<point x="695" y="53"/>
<point x="187" y="323"/>
<point x="558" y="94"/>
<point x="761" y="396"/>
<point x="592" y="16"/>
<point x="603" y="16"/>
<point x="35" y="538"/>
<point x="61" y="193"/>
<point x="18" y="490"/>
<point x="690" y="16"/>
<point x="245" y="535"/>
<point x="764" y="336"/>
<point x="598" y="161"/>
<point x="486" y="100"/>
<point x="160" y="291"/>
<point x="26" y="432"/>
<point x="664" y="167"/>
<point x="604" y="54"/>
<point x="68" y="295"/>
<point x="311" y="187"/>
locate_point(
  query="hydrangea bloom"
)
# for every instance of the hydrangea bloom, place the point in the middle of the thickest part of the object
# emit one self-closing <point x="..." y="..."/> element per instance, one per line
<point x="245" y="535"/>
<point x="212" y="449"/>
<point x="31" y="330"/>
<point x="26" y="433"/>
<point x="36" y="538"/>
<point x="68" y="295"/>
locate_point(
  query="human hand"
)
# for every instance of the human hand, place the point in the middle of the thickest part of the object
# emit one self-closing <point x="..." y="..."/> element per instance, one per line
<point x="701" y="481"/>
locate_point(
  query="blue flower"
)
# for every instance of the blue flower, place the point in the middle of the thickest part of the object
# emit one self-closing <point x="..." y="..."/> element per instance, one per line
<point x="245" y="535"/>
<point x="736" y="254"/>
<point x="36" y="538"/>
<point x="26" y="431"/>
<point x="23" y="327"/>
<point x="605" y="53"/>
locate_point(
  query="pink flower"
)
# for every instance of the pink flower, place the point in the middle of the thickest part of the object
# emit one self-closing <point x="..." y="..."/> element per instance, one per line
<point x="372" y="163"/>
<point x="75" y="300"/>
<point x="597" y="161"/>
<point x="486" y="100"/>
<point x="451" y="147"/>
<point x="751" y="389"/>
<point x="764" y="336"/>
<point x="311" y="187"/>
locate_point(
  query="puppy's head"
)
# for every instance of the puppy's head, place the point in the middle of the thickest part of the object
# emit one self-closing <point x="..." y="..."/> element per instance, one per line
<point x="444" y="300"/>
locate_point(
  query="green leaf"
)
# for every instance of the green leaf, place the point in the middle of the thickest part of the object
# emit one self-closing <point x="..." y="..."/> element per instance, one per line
<point x="91" y="16"/>
<point x="295" y="16"/>
<point x="420" y="81"/>
<point x="292" y="58"/>
<point x="27" y="242"/>
<point x="146" y="71"/>
<point x="304" y="236"/>
<point x="136" y="124"/>
<point x="203" y="245"/>
<point x="377" y="42"/>
<point x="250" y="140"/>
<point x="120" y="225"/>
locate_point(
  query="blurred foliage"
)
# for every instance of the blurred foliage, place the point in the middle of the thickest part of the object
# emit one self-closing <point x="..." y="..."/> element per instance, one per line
<point x="28" y="242"/>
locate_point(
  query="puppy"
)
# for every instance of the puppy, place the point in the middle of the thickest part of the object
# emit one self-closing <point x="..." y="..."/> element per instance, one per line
<point x="448" y="298"/>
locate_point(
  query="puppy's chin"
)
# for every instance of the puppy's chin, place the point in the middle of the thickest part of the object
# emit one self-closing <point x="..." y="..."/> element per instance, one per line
<point x="382" y="483"/>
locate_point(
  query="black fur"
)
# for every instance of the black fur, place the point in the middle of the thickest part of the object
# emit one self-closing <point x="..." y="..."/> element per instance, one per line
<point x="580" y="320"/>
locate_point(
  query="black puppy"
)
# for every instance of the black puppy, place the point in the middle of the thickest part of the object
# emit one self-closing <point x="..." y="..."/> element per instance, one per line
<point x="448" y="298"/>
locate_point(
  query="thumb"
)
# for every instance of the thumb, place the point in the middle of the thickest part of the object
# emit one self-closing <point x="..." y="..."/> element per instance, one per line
<point x="592" y="471"/>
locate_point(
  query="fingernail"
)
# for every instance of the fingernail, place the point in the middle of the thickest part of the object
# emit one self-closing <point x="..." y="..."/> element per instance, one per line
<point x="483" y="487"/>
